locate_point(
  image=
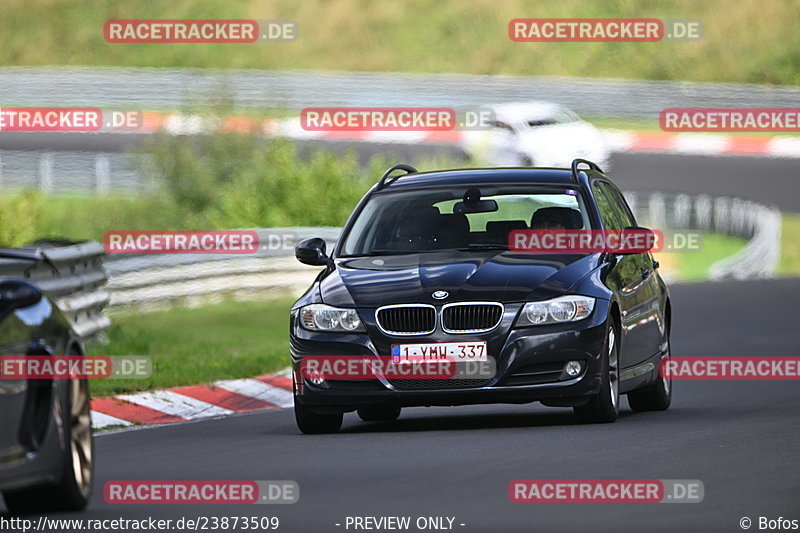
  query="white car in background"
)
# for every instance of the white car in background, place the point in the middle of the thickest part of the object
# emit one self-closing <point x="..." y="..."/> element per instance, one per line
<point x="541" y="134"/>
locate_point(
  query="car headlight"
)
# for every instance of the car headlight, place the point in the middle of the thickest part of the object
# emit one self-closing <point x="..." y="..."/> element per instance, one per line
<point x="321" y="317"/>
<point x="555" y="311"/>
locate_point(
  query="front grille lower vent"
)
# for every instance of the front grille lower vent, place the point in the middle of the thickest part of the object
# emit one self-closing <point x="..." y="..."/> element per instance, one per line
<point x="438" y="384"/>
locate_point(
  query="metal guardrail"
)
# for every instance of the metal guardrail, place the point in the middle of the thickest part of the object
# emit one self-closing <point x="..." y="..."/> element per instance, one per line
<point x="158" y="281"/>
<point x="758" y="222"/>
<point x="157" y="88"/>
<point x="151" y="282"/>
<point x="68" y="171"/>
<point x="77" y="288"/>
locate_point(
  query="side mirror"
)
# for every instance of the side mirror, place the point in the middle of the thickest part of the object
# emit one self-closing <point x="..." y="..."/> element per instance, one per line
<point x="637" y="240"/>
<point x="311" y="252"/>
<point x="17" y="293"/>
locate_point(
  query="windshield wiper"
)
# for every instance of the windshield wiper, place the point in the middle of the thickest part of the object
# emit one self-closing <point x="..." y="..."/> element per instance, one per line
<point x="470" y="247"/>
<point x="481" y="246"/>
<point x="389" y="252"/>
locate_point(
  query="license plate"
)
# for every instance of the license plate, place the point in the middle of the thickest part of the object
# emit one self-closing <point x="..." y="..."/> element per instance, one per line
<point x="440" y="351"/>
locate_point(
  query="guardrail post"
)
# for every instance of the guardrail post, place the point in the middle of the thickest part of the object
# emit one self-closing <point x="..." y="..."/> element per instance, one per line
<point x="682" y="211"/>
<point x="46" y="172"/>
<point x="632" y="199"/>
<point x="722" y="215"/>
<point x="657" y="210"/>
<point x="702" y="211"/>
<point x="739" y="218"/>
<point x="102" y="172"/>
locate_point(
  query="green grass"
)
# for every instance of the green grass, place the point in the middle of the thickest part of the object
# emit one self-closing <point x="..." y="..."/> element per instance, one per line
<point x="190" y="346"/>
<point x="28" y="216"/>
<point x="89" y="217"/>
<point x="790" y="246"/>
<point x="693" y="266"/>
<point x="752" y="41"/>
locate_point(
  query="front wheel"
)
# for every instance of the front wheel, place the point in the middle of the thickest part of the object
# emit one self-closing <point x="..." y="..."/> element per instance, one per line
<point x="604" y="406"/>
<point x="72" y="491"/>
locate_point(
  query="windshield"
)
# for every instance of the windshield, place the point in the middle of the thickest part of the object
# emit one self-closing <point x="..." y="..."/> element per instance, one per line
<point x="459" y="218"/>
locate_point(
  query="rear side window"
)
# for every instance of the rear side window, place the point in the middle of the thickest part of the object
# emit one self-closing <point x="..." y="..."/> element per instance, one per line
<point x="607" y="213"/>
<point x="618" y="205"/>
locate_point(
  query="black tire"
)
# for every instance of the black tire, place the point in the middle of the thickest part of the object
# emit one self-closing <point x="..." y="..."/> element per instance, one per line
<point x="312" y="423"/>
<point x="603" y="407"/>
<point x="72" y="491"/>
<point x="378" y="413"/>
<point x="655" y="397"/>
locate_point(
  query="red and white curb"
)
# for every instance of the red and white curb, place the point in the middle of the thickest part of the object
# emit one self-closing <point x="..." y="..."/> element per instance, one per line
<point x="179" y="404"/>
<point x="701" y="143"/>
<point x="619" y="141"/>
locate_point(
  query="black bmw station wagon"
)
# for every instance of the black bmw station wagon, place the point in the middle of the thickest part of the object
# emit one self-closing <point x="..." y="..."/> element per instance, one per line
<point x="423" y="271"/>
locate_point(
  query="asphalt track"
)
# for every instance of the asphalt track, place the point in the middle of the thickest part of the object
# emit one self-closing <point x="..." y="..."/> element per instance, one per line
<point x="739" y="438"/>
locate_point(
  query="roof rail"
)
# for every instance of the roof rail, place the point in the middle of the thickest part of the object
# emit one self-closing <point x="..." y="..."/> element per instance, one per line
<point x="386" y="179"/>
<point x="575" y="169"/>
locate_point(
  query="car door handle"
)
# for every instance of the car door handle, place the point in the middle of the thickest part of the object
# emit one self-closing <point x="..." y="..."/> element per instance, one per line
<point x="645" y="273"/>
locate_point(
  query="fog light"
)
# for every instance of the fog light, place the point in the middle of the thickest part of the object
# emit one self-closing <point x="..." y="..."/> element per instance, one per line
<point x="316" y="379"/>
<point x="573" y="368"/>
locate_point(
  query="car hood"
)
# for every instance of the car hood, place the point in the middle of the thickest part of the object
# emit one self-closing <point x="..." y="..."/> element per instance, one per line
<point x="484" y="276"/>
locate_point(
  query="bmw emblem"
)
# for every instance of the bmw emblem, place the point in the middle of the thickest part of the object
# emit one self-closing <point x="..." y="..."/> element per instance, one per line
<point x="440" y="295"/>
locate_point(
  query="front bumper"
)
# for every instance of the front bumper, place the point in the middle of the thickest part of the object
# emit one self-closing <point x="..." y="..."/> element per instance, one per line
<point x="529" y="365"/>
